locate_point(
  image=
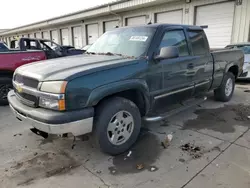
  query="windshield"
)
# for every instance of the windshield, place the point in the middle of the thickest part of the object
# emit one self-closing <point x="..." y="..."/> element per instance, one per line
<point x="132" y="42"/>
<point x="51" y="44"/>
<point x="244" y="48"/>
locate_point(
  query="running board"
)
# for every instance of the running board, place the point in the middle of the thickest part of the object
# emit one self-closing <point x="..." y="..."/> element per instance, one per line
<point x="175" y="111"/>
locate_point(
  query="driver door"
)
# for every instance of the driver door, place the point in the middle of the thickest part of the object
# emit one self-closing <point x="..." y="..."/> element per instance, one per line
<point x="177" y="72"/>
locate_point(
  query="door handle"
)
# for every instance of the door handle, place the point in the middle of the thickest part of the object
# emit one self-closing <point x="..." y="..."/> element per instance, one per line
<point x="190" y="66"/>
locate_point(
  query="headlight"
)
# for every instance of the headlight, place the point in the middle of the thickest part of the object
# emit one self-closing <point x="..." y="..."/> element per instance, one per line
<point x="52" y="103"/>
<point x="55" y="97"/>
<point x="54" y="86"/>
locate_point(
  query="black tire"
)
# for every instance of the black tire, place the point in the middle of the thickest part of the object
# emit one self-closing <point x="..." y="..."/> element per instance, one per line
<point x="220" y="93"/>
<point x="5" y="87"/>
<point x="104" y="113"/>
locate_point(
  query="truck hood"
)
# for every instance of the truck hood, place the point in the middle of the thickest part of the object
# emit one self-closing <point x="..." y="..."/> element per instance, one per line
<point x="71" y="67"/>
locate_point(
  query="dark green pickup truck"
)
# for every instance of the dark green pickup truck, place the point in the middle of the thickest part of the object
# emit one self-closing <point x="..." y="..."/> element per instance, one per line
<point x="128" y="75"/>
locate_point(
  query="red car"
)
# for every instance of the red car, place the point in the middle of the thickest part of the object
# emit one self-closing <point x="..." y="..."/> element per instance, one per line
<point x="9" y="61"/>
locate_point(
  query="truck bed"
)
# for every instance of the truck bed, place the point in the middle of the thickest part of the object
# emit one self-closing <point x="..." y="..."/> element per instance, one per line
<point x="12" y="59"/>
<point x="223" y="59"/>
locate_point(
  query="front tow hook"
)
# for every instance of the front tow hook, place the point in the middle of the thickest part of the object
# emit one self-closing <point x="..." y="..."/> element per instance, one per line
<point x="39" y="133"/>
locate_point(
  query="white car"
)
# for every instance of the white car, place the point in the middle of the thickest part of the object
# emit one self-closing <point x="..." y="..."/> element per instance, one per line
<point x="245" y="47"/>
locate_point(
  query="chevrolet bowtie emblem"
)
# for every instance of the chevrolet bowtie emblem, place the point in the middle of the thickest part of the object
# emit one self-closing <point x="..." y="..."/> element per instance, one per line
<point x="19" y="88"/>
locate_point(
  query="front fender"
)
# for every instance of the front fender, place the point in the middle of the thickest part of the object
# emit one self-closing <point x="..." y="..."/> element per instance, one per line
<point x="110" y="89"/>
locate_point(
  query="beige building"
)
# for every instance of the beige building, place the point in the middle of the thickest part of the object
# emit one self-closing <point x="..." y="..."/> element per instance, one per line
<point x="225" y="21"/>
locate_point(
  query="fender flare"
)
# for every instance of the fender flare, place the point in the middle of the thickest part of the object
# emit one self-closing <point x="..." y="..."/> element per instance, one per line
<point x="101" y="92"/>
<point x="229" y="65"/>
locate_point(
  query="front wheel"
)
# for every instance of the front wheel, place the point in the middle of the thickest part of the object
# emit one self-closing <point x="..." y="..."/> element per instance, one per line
<point x="5" y="87"/>
<point x="117" y="125"/>
<point x="225" y="92"/>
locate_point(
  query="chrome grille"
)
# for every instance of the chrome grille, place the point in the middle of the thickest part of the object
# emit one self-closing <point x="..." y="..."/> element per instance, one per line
<point x="30" y="82"/>
<point x="26" y="98"/>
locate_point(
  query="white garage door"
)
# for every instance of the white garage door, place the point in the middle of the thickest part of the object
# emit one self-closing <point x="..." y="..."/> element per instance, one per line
<point x="77" y="37"/>
<point x="65" y="36"/>
<point x="110" y="25"/>
<point x="38" y="35"/>
<point x="46" y="35"/>
<point x="172" y="17"/>
<point x="31" y="35"/>
<point x="92" y="33"/>
<point x="54" y="36"/>
<point x="219" y="21"/>
<point x="139" y="20"/>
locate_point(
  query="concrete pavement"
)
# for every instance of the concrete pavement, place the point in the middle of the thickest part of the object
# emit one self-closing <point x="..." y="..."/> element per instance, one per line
<point x="218" y="135"/>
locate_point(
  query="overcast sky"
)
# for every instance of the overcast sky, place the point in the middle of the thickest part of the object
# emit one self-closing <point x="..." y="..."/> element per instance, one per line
<point x="15" y="13"/>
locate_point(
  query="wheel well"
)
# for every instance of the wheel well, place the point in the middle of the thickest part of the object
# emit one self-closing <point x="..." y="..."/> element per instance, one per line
<point x="6" y="73"/>
<point x="134" y="95"/>
<point x="235" y="70"/>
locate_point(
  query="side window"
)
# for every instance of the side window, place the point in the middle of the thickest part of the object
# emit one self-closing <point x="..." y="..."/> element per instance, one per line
<point x="198" y="42"/>
<point x="175" y="38"/>
<point x="33" y="44"/>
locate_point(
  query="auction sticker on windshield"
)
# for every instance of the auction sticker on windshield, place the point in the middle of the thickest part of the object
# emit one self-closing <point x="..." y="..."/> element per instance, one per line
<point x="138" y="38"/>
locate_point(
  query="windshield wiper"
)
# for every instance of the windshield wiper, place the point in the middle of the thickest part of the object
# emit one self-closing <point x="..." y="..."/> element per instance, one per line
<point x="92" y="53"/>
<point x="107" y="53"/>
<point x="112" y="54"/>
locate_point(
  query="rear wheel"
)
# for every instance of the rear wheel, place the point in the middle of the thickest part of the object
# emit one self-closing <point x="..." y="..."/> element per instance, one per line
<point x="5" y="87"/>
<point x="225" y="92"/>
<point x="117" y="125"/>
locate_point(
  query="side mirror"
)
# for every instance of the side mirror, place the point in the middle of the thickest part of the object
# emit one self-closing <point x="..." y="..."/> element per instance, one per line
<point x="168" y="53"/>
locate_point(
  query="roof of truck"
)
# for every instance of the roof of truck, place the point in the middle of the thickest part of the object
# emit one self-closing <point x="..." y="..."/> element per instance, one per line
<point x="168" y="25"/>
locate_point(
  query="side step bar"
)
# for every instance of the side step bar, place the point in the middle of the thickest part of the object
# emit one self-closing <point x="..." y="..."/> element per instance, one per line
<point x="175" y="111"/>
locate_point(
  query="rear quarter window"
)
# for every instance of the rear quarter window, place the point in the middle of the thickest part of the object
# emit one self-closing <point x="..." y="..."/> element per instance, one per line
<point x="198" y="42"/>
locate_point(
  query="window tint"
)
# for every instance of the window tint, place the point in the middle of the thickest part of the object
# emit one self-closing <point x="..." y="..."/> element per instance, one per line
<point x="198" y="42"/>
<point x="31" y="45"/>
<point x="3" y="47"/>
<point x="175" y="38"/>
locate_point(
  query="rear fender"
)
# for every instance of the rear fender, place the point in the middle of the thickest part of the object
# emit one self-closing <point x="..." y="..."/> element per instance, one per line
<point x="229" y="65"/>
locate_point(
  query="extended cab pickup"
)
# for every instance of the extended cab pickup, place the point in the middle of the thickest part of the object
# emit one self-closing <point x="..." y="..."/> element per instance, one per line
<point x="127" y="75"/>
<point x="9" y="61"/>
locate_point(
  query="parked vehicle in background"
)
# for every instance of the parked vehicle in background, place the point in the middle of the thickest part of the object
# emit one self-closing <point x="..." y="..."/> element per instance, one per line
<point x="3" y="47"/>
<point x="128" y="74"/>
<point x="51" y="49"/>
<point x="9" y="61"/>
<point x="85" y="48"/>
<point x="245" y="47"/>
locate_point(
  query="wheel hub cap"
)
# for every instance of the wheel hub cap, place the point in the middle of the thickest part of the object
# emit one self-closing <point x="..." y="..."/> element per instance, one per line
<point x="120" y="127"/>
<point x="229" y="87"/>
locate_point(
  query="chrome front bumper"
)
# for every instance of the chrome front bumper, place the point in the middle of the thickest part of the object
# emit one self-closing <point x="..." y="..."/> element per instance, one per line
<point x="50" y="121"/>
